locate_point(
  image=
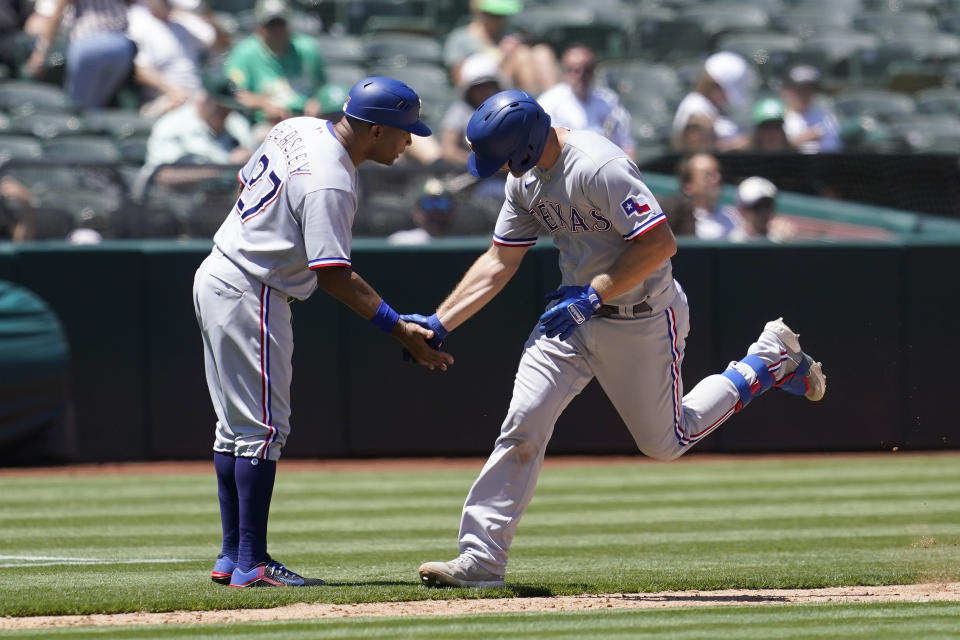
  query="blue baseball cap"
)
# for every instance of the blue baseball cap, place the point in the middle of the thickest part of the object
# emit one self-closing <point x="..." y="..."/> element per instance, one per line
<point x="387" y="102"/>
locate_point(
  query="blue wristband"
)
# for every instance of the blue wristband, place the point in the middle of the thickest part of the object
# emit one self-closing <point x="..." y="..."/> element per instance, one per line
<point x="385" y="317"/>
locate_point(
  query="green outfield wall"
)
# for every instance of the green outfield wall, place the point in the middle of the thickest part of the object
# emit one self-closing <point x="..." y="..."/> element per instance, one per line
<point x="881" y="316"/>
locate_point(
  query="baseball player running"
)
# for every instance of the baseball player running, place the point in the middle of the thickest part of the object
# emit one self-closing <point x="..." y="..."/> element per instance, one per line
<point x="289" y="233"/>
<point x="619" y="316"/>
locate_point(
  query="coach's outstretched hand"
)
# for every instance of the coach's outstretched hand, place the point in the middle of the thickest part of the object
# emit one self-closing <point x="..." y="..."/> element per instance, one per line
<point x="576" y="306"/>
<point x="417" y="344"/>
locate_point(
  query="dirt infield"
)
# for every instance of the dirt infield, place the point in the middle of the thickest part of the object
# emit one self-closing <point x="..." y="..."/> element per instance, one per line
<point x="664" y="599"/>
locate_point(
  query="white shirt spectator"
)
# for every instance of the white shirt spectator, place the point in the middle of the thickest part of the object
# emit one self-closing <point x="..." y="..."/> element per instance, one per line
<point x="723" y="223"/>
<point x="409" y="237"/>
<point x="696" y="104"/>
<point x="167" y="46"/>
<point x="816" y="118"/>
<point x="601" y="113"/>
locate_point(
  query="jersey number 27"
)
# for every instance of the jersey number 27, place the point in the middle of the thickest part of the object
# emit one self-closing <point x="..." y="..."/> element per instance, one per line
<point x="262" y="192"/>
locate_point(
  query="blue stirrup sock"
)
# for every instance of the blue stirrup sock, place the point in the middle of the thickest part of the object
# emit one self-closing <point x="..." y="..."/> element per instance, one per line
<point x="764" y="380"/>
<point x="254" y="488"/>
<point x="796" y="382"/>
<point x="223" y="463"/>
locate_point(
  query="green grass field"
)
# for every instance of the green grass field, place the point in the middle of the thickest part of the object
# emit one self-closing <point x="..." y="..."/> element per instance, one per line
<point x="113" y="543"/>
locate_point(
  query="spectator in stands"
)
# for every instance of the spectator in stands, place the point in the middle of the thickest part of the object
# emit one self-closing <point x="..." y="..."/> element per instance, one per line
<point x="724" y="83"/>
<point x="768" y="133"/>
<point x="698" y="135"/>
<point x="169" y="55"/>
<point x="432" y="215"/>
<point x="755" y="206"/>
<point x="13" y="18"/>
<point x="679" y="211"/>
<point x="99" y="55"/>
<point x="810" y="127"/>
<point x="277" y="72"/>
<point x="16" y="211"/>
<point x="479" y="79"/>
<point x="208" y="130"/>
<point x="531" y="67"/>
<point x="576" y="103"/>
<point x="700" y="181"/>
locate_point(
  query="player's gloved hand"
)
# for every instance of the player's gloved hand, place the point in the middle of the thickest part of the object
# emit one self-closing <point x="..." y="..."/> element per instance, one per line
<point x="576" y="306"/>
<point x="427" y="322"/>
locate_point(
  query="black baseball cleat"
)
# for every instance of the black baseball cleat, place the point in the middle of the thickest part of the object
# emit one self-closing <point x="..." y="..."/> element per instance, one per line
<point x="271" y="574"/>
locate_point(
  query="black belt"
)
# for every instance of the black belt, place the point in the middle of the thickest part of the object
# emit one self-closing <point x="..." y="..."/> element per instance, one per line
<point x="611" y="310"/>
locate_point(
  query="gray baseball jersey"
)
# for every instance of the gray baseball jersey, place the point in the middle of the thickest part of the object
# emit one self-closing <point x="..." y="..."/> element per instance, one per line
<point x="296" y="210"/>
<point x="293" y="215"/>
<point x="592" y="202"/>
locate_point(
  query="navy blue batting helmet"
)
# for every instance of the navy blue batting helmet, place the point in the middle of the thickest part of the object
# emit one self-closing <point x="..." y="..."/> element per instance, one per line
<point x="388" y="102"/>
<point x="509" y="128"/>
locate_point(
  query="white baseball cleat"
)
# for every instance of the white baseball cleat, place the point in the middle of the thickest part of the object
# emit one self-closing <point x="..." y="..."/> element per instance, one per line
<point x="808" y="379"/>
<point x="462" y="571"/>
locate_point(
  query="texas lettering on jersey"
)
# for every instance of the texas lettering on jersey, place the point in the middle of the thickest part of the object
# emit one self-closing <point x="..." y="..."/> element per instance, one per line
<point x="555" y="216"/>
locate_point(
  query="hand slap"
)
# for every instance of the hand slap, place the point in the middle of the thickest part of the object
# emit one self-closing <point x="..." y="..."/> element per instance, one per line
<point x="576" y="306"/>
<point x="433" y="323"/>
<point x="427" y="322"/>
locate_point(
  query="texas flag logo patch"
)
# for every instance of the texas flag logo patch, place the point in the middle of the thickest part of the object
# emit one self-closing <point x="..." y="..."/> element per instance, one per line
<point x="630" y="205"/>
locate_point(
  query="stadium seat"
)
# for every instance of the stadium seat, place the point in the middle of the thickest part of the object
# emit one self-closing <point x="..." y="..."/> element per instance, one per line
<point x="304" y="22"/>
<point x="84" y="148"/>
<point x="345" y="73"/>
<point x="119" y="123"/>
<point x="871" y="67"/>
<point x="608" y="39"/>
<point x="664" y="37"/>
<point x="807" y="23"/>
<point x="133" y="148"/>
<point x="415" y="25"/>
<point x="604" y="28"/>
<point x="885" y="23"/>
<point x="928" y="47"/>
<point x="902" y="5"/>
<point x="342" y="48"/>
<point x="938" y="101"/>
<point x="837" y="48"/>
<point x="27" y="96"/>
<point x="49" y="125"/>
<point x="231" y="6"/>
<point x="427" y="80"/>
<point x="928" y="132"/>
<point x="883" y="105"/>
<point x="354" y="15"/>
<point x="770" y="6"/>
<point x="401" y="49"/>
<point x="637" y="77"/>
<point x="850" y="7"/>
<point x="650" y="123"/>
<point x="17" y="147"/>
<point x="728" y="16"/>
<point x="950" y="23"/>
<point x="771" y="53"/>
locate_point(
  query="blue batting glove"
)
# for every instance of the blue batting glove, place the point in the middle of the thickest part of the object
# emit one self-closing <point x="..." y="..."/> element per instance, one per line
<point x="427" y="322"/>
<point x="576" y="306"/>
